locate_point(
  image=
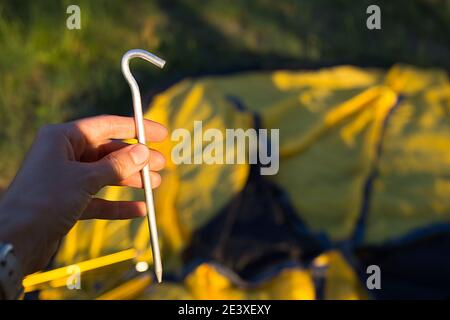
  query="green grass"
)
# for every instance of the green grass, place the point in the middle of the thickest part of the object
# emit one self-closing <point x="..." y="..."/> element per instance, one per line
<point x="50" y="74"/>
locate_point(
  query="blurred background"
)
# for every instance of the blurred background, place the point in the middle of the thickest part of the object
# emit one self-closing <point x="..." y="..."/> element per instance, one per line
<point x="50" y="74"/>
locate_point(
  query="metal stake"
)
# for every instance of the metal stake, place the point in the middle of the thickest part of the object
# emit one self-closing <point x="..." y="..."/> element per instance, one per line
<point x="145" y="173"/>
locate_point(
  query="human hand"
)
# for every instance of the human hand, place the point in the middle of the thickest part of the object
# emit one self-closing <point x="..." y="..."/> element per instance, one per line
<point x="66" y="165"/>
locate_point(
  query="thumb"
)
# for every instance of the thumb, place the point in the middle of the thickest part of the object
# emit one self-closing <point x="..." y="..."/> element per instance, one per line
<point x="121" y="164"/>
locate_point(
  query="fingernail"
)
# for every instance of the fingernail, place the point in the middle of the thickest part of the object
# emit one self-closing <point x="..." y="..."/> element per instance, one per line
<point x="139" y="153"/>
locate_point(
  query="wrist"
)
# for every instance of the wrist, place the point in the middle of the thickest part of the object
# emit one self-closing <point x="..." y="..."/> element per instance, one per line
<point x="21" y="225"/>
<point x="10" y="273"/>
<point x="16" y="229"/>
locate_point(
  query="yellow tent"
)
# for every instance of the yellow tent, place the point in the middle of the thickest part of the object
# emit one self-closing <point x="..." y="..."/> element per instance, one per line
<point x="364" y="161"/>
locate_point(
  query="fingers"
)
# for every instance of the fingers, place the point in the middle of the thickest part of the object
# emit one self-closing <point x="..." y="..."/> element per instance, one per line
<point x="101" y="128"/>
<point x="114" y="210"/>
<point x="157" y="160"/>
<point x="94" y="153"/>
<point x="106" y="148"/>
<point x="120" y="165"/>
<point x="135" y="181"/>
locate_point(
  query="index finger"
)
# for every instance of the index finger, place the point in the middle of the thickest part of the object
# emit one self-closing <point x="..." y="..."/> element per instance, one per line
<point x="100" y="128"/>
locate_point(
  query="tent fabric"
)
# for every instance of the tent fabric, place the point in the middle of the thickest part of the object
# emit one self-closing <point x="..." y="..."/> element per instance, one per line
<point x="364" y="162"/>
